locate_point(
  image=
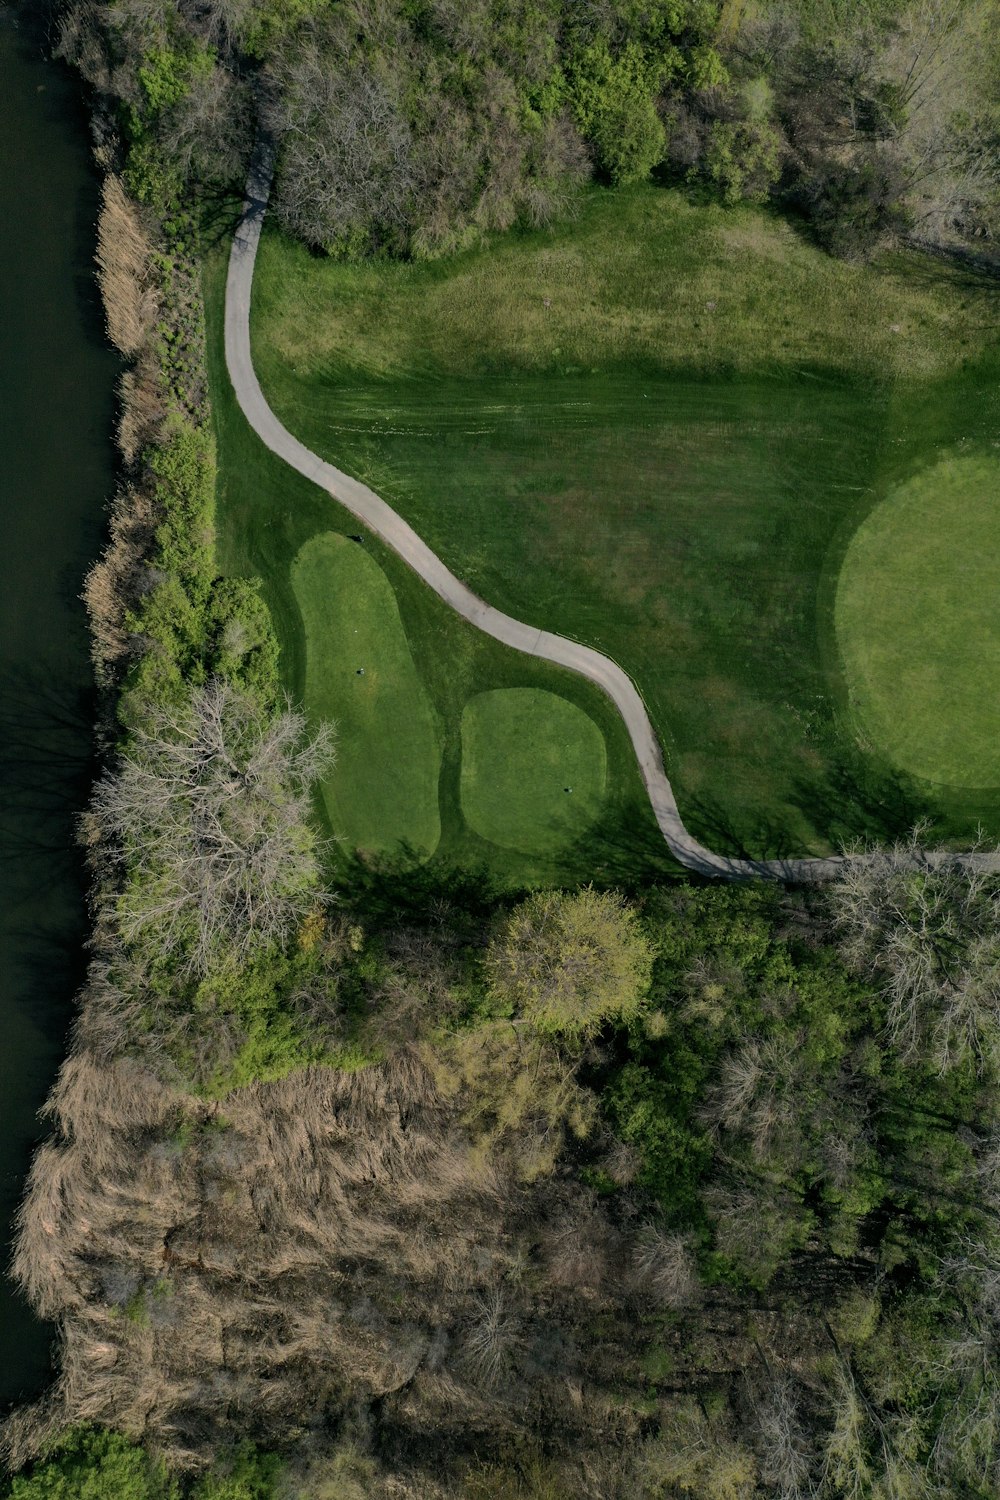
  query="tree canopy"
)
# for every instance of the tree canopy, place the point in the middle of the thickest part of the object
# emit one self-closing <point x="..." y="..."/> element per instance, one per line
<point x="569" y="962"/>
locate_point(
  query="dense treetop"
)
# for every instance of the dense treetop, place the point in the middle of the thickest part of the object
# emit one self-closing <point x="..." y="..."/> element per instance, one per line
<point x="412" y="126"/>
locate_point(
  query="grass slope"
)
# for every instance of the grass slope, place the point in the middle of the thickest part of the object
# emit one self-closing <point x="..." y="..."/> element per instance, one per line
<point x="383" y="791"/>
<point x="918" y="623"/>
<point x="654" y="430"/>
<point x="266" y="514"/>
<point x="534" y="769"/>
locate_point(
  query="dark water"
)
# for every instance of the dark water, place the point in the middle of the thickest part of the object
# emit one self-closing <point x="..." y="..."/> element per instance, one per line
<point x="56" y="408"/>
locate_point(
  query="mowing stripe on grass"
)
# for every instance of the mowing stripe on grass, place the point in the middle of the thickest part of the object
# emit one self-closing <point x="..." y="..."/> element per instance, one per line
<point x="383" y="791"/>
<point x="534" y="769"/>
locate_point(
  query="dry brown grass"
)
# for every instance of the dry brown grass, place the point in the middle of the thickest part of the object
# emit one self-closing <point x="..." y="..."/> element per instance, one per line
<point x="124" y="258"/>
<point x="142" y="405"/>
<point x="236" y="1270"/>
<point x="116" y="579"/>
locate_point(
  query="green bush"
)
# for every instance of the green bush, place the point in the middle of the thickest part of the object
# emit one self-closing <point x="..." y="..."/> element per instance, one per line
<point x="741" y="160"/>
<point x="614" y="104"/>
<point x="89" y="1464"/>
<point x="570" y="962"/>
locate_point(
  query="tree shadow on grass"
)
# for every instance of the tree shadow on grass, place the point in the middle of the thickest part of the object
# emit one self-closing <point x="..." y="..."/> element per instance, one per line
<point x="861" y="798"/>
<point x="398" y="887"/>
<point x="756" y="835"/>
<point x="624" y="848"/>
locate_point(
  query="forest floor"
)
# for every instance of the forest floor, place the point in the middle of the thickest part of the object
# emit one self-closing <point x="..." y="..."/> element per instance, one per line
<point x="656" y="430"/>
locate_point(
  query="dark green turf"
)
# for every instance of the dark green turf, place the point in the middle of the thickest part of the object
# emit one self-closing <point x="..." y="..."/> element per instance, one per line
<point x="266" y="513"/>
<point x="689" y="525"/>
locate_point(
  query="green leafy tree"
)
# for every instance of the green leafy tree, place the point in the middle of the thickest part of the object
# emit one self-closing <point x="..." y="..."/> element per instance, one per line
<point x="95" y="1465"/>
<point x="614" y="103"/>
<point x="570" y="962"/>
<point x="242" y="1475"/>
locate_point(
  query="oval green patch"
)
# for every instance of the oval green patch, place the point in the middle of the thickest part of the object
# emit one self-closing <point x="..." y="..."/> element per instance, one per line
<point x="383" y="791"/>
<point x="534" y="768"/>
<point x="918" y="624"/>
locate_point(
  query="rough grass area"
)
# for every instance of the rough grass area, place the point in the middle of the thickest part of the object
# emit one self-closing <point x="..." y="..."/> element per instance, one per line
<point x="383" y="791"/>
<point x="642" y="277"/>
<point x="655" y="430"/>
<point x="266" y="514"/>
<point x="534" y="769"/>
<point x="918" y="621"/>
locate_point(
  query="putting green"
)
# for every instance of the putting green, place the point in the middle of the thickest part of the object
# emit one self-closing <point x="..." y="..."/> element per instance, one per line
<point x="383" y="791"/>
<point x="534" y="768"/>
<point x="918" y="624"/>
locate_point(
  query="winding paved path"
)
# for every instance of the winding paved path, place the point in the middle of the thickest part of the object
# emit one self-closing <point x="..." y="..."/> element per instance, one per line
<point x="374" y="513"/>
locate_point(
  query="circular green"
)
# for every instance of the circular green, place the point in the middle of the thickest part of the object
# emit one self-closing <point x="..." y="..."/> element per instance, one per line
<point x="918" y="624"/>
<point x="534" y="769"/>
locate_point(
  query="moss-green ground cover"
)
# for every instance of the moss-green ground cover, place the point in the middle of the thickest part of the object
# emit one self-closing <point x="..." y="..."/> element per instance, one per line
<point x="266" y="515"/>
<point x="918" y="621"/>
<point x="534" y="769"/>
<point x="655" y="429"/>
<point x="360" y="674"/>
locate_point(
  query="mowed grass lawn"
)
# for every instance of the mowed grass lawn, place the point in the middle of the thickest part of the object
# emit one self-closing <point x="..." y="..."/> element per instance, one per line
<point x="360" y="675"/>
<point x="534" y="768"/>
<point x="399" y="786"/>
<point x="655" y="429"/>
<point x="918" y="619"/>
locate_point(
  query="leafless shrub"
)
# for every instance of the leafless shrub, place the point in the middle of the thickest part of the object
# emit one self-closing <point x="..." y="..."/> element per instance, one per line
<point x="757" y="1224"/>
<point x="784" y="1449"/>
<point x="623" y="1162"/>
<point x="666" y="1263"/>
<point x="492" y="1339"/>
<point x="414" y="989"/>
<point x="578" y="1246"/>
<point x="741" y="1074"/>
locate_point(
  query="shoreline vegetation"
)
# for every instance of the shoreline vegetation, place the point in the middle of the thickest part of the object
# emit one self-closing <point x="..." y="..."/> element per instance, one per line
<point x="405" y="1191"/>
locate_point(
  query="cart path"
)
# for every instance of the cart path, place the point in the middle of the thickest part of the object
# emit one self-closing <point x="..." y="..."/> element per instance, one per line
<point x="380" y="518"/>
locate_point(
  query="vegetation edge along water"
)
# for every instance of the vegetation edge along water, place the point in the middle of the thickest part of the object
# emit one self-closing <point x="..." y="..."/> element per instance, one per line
<point x="427" y="1191"/>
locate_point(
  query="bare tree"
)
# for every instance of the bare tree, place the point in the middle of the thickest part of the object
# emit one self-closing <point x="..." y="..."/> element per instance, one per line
<point x="208" y="132"/>
<point x="209" y="810"/>
<point x="926" y="928"/>
<point x="951" y="132"/>
<point x="666" y="1262"/>
<point x="346" y="149"/>
<point x="784" y="1447"/>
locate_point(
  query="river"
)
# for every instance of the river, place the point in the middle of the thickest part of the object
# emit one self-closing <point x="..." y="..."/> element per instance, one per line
<point x="56" y="413"/>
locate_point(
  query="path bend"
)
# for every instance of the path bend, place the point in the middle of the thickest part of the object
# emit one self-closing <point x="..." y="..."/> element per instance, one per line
<point x="380" y="518"/>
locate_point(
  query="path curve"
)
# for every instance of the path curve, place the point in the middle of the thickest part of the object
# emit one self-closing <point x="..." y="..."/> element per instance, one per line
<point x="380" y="518"/>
